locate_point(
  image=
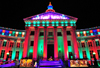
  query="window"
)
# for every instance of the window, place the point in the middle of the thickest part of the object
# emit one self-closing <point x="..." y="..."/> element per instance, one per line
<point x="69" y="43"/>
<point x="4" y="43"/>
<point x="10" y="54"/>
<point x="91" y="53"/>
<point x="59" y="34"/>
<point x="32" y="33"/>
<point x="18" y="45"/>
<point x="97" y="43"/>
<point x="68" y="33"/>
<point x="2" y="53"/>
<point x="98" y="53"/>
<point x="41" y="34"/>
<point x="90" y="44"/>
<point x="84" y="54"/>
<point x="11" y="44"/>
<point x="17" y="55"/>
<point x="32" y="43"/>
<point x="50" y="34"/>
<point x="83" y="44"/>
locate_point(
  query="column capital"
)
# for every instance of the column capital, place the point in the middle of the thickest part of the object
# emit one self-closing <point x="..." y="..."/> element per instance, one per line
<point x="64" y="28"/>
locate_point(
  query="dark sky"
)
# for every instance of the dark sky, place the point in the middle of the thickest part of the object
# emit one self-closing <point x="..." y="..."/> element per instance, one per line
<point x="12" y="12"/>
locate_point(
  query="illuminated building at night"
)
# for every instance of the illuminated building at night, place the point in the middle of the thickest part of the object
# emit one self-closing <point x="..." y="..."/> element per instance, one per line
<point x="50" y="34"/>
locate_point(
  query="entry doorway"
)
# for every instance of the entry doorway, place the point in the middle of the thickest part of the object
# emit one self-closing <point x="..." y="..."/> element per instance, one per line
<point x="30" y="55"/>
<point x="50" y="51"/>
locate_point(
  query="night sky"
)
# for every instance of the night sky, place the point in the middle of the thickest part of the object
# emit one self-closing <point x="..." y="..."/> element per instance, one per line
<point x="13" y="12"/>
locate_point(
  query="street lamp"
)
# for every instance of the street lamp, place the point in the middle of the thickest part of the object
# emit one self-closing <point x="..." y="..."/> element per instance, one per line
<point x="7" y="56"/>
<point x="7" y="53"/>
<point x="95" y="60"/>
<point x="94" y="53"/>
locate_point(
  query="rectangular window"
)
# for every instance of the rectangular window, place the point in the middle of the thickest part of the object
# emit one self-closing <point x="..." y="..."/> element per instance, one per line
<point x="18" y="45"/>
<point x="4" y="43"/>
<point x="68" y="33"/>
<point x="2" y="53"/>
<point x="41" y="34"/>
<point x="32" y="43"/>
<point x="32" y="33"/>
<point x="91" y="53"/>
<point x="98" y="53"/>
<point x="69" y="43"/>
<point x="17" y="55"/>
<point x="83" y="44"/>
<point x="59" y="34"/>
<point x="97" y="43"/>
<point x="50" y="34"/>
<point x="10" y="54"/>
<point x="84" y="54"/>
<point x="90" y="44"/>
<point x="11" y="44"/>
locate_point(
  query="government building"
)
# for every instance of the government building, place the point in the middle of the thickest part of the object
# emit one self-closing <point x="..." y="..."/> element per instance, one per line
<point x="50" y="34"/>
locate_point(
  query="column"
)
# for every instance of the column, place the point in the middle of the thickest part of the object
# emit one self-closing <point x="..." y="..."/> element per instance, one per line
<point x="6" y="50"/>
<point x="95" y="50"/>
<point x="26" y="43"/>
<point x="87" y="51"/>
<point x="45" y="44"/>
<point x="65" y="43"/>
<point x="0" y="46"/>
<point x="74" y="41"/>
<point x="55" y="44"/>
<point x="20" y="50"/>
<point x="80" y="50"/>
<point x="35" y="43"/>
<point x="14" y="51"/>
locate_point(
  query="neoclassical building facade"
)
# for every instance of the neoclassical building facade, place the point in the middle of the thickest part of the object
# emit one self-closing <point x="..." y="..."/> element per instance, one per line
<point x="50" y="34"/>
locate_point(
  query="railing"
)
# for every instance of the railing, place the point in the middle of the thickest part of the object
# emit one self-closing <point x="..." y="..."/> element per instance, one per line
<point x="61" y="62"/>
<point x="38" y="64"/>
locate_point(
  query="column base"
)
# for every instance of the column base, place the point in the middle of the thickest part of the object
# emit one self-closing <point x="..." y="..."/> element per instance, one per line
<point x="44" y="59"/>
<point x="56" y="59"/>
<point x="34" y="59"/>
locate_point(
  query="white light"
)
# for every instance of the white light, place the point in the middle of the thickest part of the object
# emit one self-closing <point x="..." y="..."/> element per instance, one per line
<point x="84" y="32"/>
<point x="16" y="32"/>
<point x="23" y="33"/>
<point x="77" y="32"/>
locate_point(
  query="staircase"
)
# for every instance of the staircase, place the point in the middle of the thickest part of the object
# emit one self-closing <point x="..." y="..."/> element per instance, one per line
<point x="51" y="64"/>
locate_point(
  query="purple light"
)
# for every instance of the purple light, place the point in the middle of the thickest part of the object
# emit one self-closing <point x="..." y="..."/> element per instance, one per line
<point x="50" y="16"/>
<point x="8" y="65"/>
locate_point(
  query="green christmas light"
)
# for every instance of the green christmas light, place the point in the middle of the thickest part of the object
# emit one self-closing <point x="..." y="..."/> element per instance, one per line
<point x="99" y="33"/>
<point x="38" y="23"/>
<point x="34" y="23"/>
<point x="29" y="22"/>
<point x="9" y="34"/>
<point x="66" y="23"/>
<point x="13" y="33"/>
<point x="91" y="34"/>
<point x="20" y="32"/>
<point x="57" y="23"/>
<point x="2" y="33"/>
<point x="26" y="25"/>
<point x="53" y="23"/>
<point x="62" y="23"/>
<point x="29" y="25"/>
<point x="43" y="23"/>
<point x="71" y="24"/>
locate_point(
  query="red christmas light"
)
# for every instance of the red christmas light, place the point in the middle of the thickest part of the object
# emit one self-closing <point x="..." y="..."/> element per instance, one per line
<point x="10" y="32"/>
<point x="91" y="31"/>
<point x="98" y="30"/>
<point x="3" y="31"/>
